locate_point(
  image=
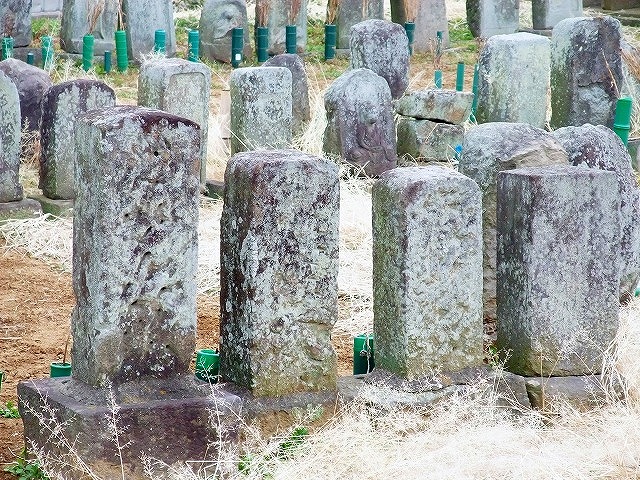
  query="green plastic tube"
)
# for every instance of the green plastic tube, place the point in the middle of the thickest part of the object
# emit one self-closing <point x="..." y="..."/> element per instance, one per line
<point x="460" y="77"/>
<point x="160" y="42"/>
<point x="410" y="28"/>
<point x="291" y="39"/>
<point x="107" y="61"/>
<point x="476" y="81"/>
<point x="437" y="78"/>
<point x="87" y="52"/>
<point x="194" y="46"/>
<point x="31" y="58"/>
<point x="622" y="121"/>
<point x="237" y="46"/>
<point x="330" y="38"/>
<point x="60" y="369"/>
<point x="207" y="365"/>
<point x="262" y="44"/>
<point x="47" y="52"/>
<point x="7" y="48"/>
<point x="122" y="57"/>
<point x="363" y="361"/>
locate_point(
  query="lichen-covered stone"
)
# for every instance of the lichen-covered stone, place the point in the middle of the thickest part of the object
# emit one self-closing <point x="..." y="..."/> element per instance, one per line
<point x="514" y="74"/>
<point x="181" y="88"/>
<point x="261" y="108"/>
<point x="10" y="188"/>
<point x="279" y="269"/>
<point x="143" y="18"/>
<point x="558" y="231"/>
<point x="430" y="18"/>
<point x="15" y="21"/>
<point x="382" y="47"/>
<point x="76" y="15"/>
<point x="135" y="245"/>
<point x="279" y="15"/>
<point x="351" y="12"/>
<point x="547" y="13"/>
<point x="488" y="149"/>
<point x="427" y="271"/>
<point x="427" y="140"/>
<point x="586" y="71"/>
<point x="299" y="89"/>
<point x="436" y="104"/>
<point x="360" y="126"/>
<point x="598" y="147"/>
<point x="32" y="83"/>
<point x="217" y="21"/>
<point x="61" y="107"/>
<point x="493" y="17"/>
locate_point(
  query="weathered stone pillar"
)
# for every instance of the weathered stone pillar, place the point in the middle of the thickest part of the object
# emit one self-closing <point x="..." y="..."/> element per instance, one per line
<point x="586" y="71"/>
<point x="514" y="79"/>
<point x="143" y="18"/>
<point x="488" y="149"/>
<point x="261" y="108"/>
<point x="558" y="275"/>
<point x="430" y="18"/>
<point x="279" y="14"/>
<point x="493" y="17"/>
<point x="279" y="271"/>
<point x="427" y="271"/>
<point x="547" y="13"/>
<point x="181" y="88"/>
<point x="217" y="21"/>
<point x="351" y="12"/>
<point x="76" y="18"/>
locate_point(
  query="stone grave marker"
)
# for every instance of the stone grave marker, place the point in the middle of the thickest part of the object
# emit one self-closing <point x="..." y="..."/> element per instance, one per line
<point x="279" y="14"/>
<point x="81" y="17"/>
<point x="10" y="188"/>
<point x="360" y="126"/>
<point x="547" y="13"/>
<point x="15" y="21"/>
<point x="279" y="272"/>
<point x="493" y="17"/>
<point x="217" y="21"/>
<point x="351" y="12"/>
<point x="143" y="18"/>
<point x="430" y="18"/>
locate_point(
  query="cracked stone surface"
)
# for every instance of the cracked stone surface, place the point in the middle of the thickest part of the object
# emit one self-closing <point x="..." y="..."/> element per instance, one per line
<point x="10" y="188"/>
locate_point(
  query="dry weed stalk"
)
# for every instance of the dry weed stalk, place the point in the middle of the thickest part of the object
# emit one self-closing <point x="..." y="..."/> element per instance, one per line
<point x="365" y="8"/>
<point x="30" y="146"/>
<point x="294" y="10"/>
<point x="410" y="10"/>
<point x="95" y="8"/>
<point x="262" y="12"/>
<point x="332" y="11"/>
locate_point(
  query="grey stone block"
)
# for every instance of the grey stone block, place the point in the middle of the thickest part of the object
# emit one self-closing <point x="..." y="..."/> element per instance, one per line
<point x="558" y="276"/>
<point x="488" y="149"/>
<point x="279" y="15"/>
<point x="217" y="21"/>
<point x="555" y="394"/>
<point x="279" y="268"/>
<point x="10" y="188"/>
<point x="62" y="105"/>
<point x="547" y="13"/>
<point x="135" y="245"/>
<point x="428" y="141"/>
<point x="427" y="271"/>
<point x="143" y="18"/>
<point x="514" y="73"/>
<point x="430" y="18"/>
<point x="181" y="88"/>
<point x="75" y="25"/>
<point x="261" y="108"/>
<point x="586" y="71"/>
<point x="57" y="208"/>
<point x="493" y="17"/>
<point x="351" y="12"/>
<point x="15" y="21"/>
<point x="436" y="104"/>
<point x="382" y="47"/>
<point x="24" y="208"/>
<point x="360" y="126"/>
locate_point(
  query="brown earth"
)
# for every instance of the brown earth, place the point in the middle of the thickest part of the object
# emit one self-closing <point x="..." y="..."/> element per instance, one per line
<point x="35" y="307"/>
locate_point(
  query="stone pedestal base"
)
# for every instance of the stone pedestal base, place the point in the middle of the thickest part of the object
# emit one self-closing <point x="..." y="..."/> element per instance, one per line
<point x="167" y="420"/>
<point x="552" y="394"/>
<point x="59" y="208"/>
<point x="25" y="208"/>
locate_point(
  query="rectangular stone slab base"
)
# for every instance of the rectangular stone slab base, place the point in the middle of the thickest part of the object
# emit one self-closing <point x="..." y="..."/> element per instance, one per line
<point x="25" y="208"/>
<point x="169" y="420"/>
<point x="583" y="393"/>
<point x="59" y="208"/>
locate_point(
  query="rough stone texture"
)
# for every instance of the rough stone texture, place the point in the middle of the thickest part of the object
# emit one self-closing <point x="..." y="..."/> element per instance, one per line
<point x="32" y="83"/>
<point x="547" y="13"/>
<point x="436" y="104"/>
<point x="279" y="269"/>
<point x="144" y="17"/>
<point x="427" y="271"/>
<point x="488" y="149"/>
<point x="556" y="394"/>
<point x="619" y="4"/>
<point x="168" y="420"/>
<point x="351" y="12"/>
<point x="558" y="231"/>
<point x="427" y="140"/>
<point x="181" y="88"/>
<point x="493" y="17"/>
<point x="75" y="25"/>
<point x="261" y="108"/>
<point x="599" y="147"/>
<point x="135" y="245"/>
<point x="10" y="188"/>
<point x="586" y="68"/>
<point x="278" y="17"/>
<point x="62" y="105"/>
<point x="514" y="79"/>
<point x="15" y="21"/>
<point x="217" y="20"/>
<point x="24" y="208"/>
<point x="299" y="89"/>
<point x="58" y="208"/>
<point x="430" y="18"/>
<point x="360" y="126"/>
<point x="383" y="47"/>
